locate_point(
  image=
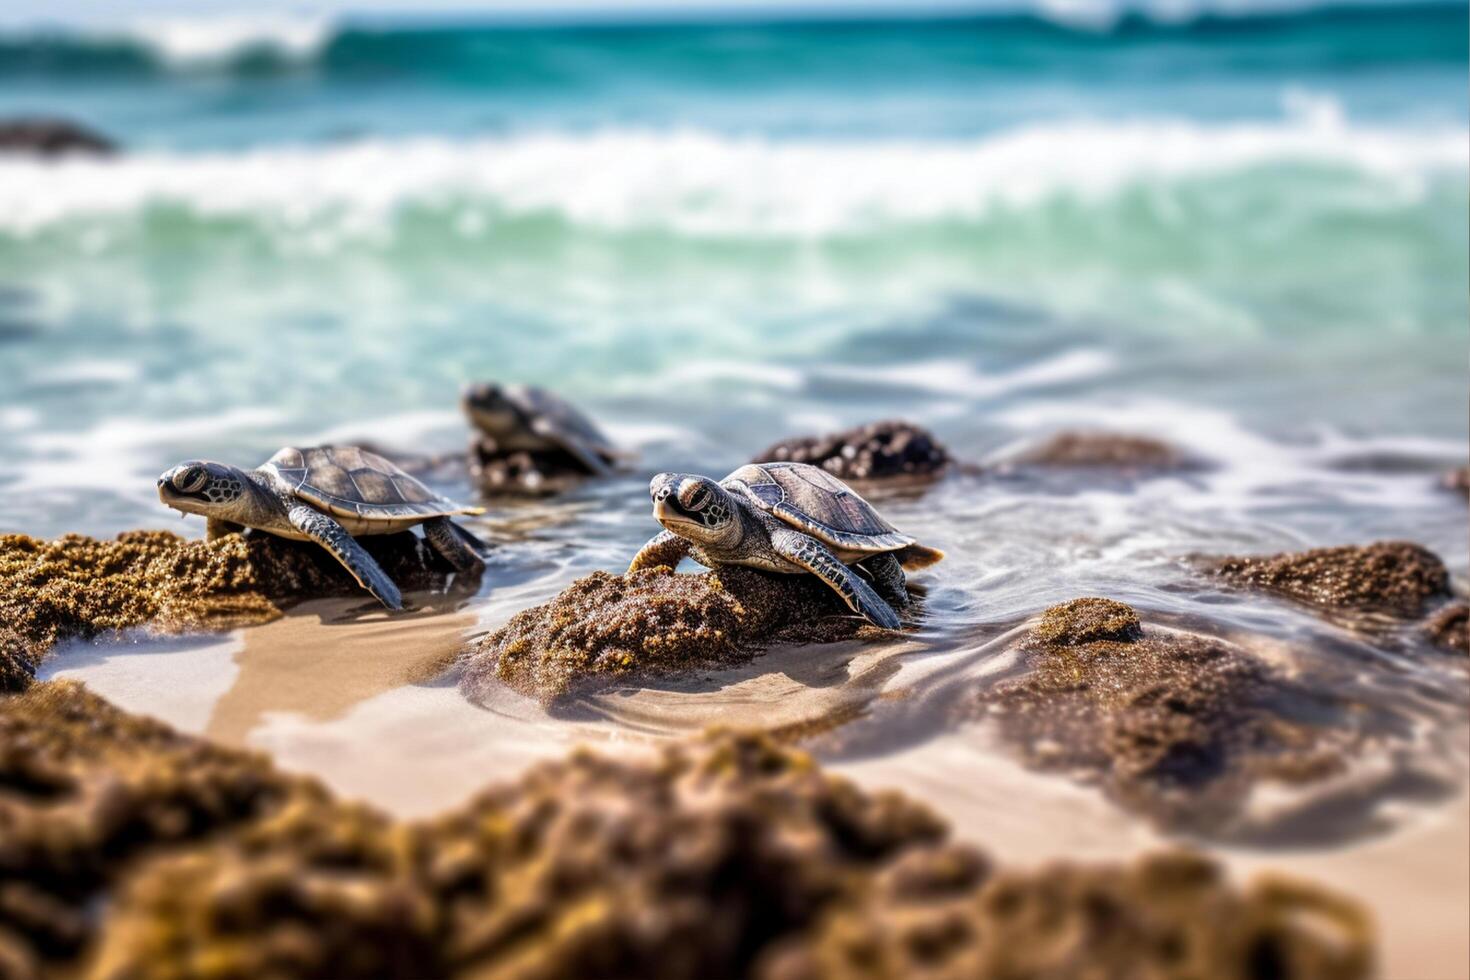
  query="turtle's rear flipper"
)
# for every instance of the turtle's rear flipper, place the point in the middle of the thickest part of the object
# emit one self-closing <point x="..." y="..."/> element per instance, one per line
<point x="459" y="547"/>
<point x="334" y="537"/>
<point x="917" y="556"/>
<point x="888" y="578"/>
<point x="817" y="558"/>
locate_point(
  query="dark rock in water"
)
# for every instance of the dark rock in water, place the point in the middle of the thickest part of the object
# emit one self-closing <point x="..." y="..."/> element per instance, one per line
<point x="80" y="587"/>
<point x="1393" y="577"/>
<point x="1450" y="627"/>
<point x="1103" y="450"/>
<point x="869" y="452"/>
<point x="653" y="622"/>
<point x="941" y="912"/>
<point x="52" y="137"/>
<point x="538" y="473"/>
<point x="131" y="850"/>
<point x="1177" y="726"/>
<point x="1457" y="480"/>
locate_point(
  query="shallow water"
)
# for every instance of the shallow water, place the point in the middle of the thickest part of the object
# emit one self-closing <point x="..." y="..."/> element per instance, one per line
<point x="1246" y="238"/>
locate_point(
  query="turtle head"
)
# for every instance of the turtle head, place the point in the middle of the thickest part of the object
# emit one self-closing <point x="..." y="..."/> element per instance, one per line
<point x="488" y="409"/>
<point x="201" y="487"/>
<point x="694" y="507"/>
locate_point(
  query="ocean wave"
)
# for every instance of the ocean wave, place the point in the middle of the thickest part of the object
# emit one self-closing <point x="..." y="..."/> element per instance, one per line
<point x="699" y="183"/>
<point x="262" y="42"/>
<point x="175" y="43"/>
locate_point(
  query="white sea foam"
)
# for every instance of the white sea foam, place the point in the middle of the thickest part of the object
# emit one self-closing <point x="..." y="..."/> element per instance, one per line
<point x="193" y="42"/>
<point x="700" y="183"/>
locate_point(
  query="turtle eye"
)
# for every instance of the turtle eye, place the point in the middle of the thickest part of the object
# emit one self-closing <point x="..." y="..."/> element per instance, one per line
<point x="190" y="480"/>
<point x="693" y="496"/>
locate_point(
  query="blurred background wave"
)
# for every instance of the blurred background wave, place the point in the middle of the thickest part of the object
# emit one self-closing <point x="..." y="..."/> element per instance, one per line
<point x="714" y="228"/>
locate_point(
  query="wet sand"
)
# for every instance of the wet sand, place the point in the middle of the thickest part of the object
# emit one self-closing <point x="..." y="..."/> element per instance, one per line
<point x="366" y="703"/>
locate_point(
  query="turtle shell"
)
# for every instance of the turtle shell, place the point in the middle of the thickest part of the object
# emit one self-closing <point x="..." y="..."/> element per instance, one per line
<point x="814" y="501"/>
<point x="553" y="417"/>
<point x="352" y="482"/>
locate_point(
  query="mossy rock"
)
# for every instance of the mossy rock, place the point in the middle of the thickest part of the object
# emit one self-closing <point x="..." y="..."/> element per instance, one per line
<point x="1397" y="578"/>
<point x="80" y="587"/>
<point x="654" y="622"/>
<point x="1173" y="725"/>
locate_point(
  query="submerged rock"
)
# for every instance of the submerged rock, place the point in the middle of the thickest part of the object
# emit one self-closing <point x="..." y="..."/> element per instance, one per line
<point x="1176" y="726"/>
<point x="652" y="622"/>
<point x="79" y="587"/>
<point x="1450" y="627"/>
<point x="882" y="449"/>
<point x="1393" y="577"/>
<point x="130" y="850"/>
<point x="52" y="137"/>
<point x="1103" y="450"/>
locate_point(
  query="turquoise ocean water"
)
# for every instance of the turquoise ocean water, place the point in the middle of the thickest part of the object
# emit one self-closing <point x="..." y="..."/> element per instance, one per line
<point x="1245" y="234"/>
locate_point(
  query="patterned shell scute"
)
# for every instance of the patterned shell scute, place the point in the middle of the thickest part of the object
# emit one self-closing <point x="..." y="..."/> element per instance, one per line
<point x="349" y="481"/>
<point x="554" y="416"/>
<point x="815" y="501"/>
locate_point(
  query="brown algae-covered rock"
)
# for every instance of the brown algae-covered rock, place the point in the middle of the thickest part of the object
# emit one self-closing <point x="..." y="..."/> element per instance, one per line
<point x="651" y="622"/>
<point x="1177" y="726"/>
<point x="80" y="587"/>
<point x="869" y="452"/>
<point x="1087" y="620"/>
<point x="87" y="790"/>
<point x="1450" y="628"/>
<point x="311" y="889"/>
<point x="686" y="865"/>
<point x="128" y="850"/>
<point x="1394" y="577"/>
<point x="1103" y="450"/>
<point x="942" y="912"/>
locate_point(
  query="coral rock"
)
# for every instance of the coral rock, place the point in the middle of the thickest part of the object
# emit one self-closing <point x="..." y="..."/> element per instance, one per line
<point x="653" y="622"/>
<point x="1177" y="726"/>
<point x="79" y="587"/>
<point x="1394" y="577"/>
<point x="129" y="850"/>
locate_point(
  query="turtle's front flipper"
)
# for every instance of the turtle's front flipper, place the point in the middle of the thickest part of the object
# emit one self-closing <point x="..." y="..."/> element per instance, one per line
<point x="441" y="534"/>
<point x="664" y="548"/>
<point x="334" y="537"/>
<point x="817" y="558"/>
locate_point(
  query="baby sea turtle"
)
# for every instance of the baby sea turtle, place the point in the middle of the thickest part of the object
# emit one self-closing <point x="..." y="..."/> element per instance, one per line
<point x="521" y="418"/>
<point x="786" y="517"/>
<point x="326" y="495"/>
